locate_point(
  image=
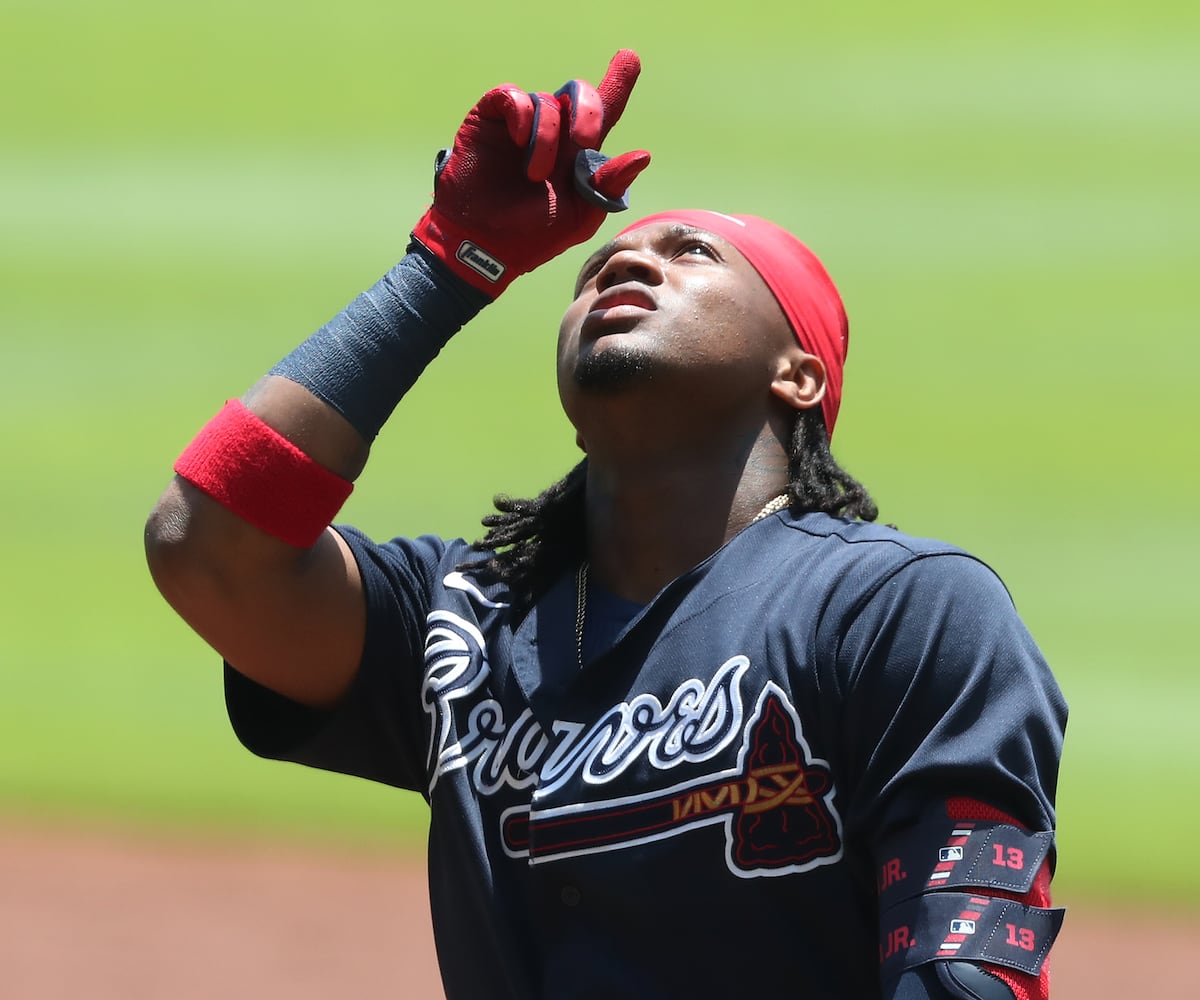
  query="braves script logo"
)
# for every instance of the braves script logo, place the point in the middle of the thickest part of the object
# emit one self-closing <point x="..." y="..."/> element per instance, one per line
<point x="775" y="804"/>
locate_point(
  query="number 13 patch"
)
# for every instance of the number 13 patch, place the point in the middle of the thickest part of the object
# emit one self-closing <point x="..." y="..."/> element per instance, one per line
<point x="961" y="926"/>
<point x="966" y="855"/>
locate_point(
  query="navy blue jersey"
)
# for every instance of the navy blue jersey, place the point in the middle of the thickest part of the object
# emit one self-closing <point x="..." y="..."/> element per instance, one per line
<point x="702" y="809"/>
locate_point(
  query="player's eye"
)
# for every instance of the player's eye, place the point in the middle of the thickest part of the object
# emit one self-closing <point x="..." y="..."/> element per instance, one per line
<point x="700" y="248"/>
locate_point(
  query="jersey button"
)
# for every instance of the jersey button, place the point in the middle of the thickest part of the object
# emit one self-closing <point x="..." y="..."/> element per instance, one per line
<point x="570" y="895"/>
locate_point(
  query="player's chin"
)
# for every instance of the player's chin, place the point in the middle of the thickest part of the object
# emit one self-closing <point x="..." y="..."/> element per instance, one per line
<point x="613" y="367"/>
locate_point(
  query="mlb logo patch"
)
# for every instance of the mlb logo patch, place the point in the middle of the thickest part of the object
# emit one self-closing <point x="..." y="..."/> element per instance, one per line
<point x="962" y="926"/>
<point x="950" y="854"/>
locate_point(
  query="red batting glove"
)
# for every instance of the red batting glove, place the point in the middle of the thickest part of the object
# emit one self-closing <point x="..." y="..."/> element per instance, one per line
<point x="525" y="180"/>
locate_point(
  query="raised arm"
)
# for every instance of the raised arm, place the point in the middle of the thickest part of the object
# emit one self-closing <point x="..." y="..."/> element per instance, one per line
<point x="239" y="542"/>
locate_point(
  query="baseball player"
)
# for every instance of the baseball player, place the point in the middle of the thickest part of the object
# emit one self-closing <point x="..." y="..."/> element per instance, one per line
<point x="688" y="723"/>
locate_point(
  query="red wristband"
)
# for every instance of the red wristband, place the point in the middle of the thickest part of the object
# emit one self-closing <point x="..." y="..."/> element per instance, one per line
<point x="251" y="469"/>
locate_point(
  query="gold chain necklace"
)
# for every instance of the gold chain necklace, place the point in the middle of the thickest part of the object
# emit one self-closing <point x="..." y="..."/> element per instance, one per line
<point x="581" y="578"/>
<point x="580" y="609"/>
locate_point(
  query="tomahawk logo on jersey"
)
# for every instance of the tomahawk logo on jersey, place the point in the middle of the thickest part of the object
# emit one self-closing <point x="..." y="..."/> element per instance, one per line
<point x="775" y="807"/>
<point x="775" y="803"/>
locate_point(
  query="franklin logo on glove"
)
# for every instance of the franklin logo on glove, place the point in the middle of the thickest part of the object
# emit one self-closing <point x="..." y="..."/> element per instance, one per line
<point x="475" y="258"/>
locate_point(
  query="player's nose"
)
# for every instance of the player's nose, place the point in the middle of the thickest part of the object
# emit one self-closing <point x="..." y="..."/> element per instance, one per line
<point x="630" y="264"/>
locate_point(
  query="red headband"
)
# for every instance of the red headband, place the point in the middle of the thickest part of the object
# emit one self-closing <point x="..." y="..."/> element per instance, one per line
<point x="796" y="278"/>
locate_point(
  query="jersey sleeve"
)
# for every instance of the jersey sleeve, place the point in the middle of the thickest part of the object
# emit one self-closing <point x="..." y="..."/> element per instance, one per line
<point x="377" y="732"/>
<point x="957" y="727"/>
<point x="947" y="695"/>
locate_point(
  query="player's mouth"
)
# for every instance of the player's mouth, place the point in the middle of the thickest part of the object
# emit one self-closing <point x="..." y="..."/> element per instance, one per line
<point x="620" y="303"/>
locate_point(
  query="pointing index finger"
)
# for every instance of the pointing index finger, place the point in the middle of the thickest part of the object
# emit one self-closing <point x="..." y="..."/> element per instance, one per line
<point x="617" y="85"/>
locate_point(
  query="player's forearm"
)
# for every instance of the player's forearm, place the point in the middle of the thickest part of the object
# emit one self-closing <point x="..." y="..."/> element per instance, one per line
<point x="263" y="479"/>
<point x="310" y="423"/>
<point x="366" y="358"/>
<point x="238" y="542"/>
<point x="283" y="458"/>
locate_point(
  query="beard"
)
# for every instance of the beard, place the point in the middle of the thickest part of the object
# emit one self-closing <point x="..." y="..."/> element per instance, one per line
<point x="614" y="369"/>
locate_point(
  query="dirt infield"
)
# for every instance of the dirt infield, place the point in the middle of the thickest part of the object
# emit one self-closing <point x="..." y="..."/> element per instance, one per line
<point x="110" y="918"/>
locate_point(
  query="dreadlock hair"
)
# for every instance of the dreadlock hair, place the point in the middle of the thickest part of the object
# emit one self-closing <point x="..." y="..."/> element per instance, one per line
<point x="817" y="482"/>
<point x="529" y="542"/>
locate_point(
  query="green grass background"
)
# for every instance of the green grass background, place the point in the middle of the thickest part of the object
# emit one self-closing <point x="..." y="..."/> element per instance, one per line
<point x="1007" y="197"/>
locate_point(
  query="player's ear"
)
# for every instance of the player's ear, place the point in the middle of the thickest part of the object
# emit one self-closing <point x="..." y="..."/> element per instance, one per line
<point x="799" y="380"/>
